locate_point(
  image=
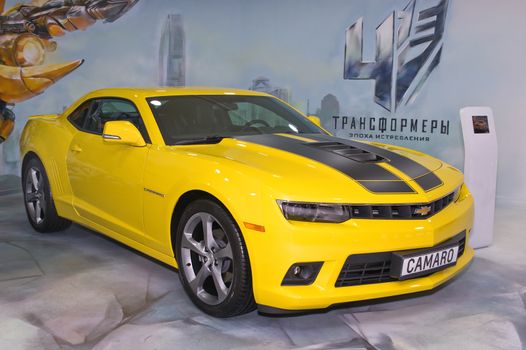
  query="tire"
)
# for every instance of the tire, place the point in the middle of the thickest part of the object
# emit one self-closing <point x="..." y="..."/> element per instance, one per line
<point x="40" y="208"/>
<point x="215" y="271"/>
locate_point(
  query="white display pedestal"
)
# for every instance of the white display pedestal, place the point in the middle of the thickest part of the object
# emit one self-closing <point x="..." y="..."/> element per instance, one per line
<point x="480" y="169"/>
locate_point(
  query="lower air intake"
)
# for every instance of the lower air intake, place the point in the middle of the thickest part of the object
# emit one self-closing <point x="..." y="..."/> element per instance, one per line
<point x="360" y="269"/>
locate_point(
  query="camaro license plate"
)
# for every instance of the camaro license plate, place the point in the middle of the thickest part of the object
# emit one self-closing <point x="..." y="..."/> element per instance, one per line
<point x="414" y="265"/>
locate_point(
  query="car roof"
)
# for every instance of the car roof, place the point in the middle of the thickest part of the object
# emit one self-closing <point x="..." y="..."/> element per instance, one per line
<point x="135" y="93"/>
<point x="146" y="92"/>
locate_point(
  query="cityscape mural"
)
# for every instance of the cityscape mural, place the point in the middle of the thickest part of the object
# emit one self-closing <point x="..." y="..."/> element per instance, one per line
<point x="330" y="59"/>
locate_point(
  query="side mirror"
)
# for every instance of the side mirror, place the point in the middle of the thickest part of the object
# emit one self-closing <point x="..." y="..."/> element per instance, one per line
<point x="315" y="120"/>
<point x="122" y="132"/>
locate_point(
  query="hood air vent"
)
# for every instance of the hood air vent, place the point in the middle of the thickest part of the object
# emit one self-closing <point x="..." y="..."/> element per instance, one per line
<point x="353" y="153"/>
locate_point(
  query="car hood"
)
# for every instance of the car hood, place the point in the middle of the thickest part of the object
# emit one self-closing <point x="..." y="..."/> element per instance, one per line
<point x="309" y="158"/>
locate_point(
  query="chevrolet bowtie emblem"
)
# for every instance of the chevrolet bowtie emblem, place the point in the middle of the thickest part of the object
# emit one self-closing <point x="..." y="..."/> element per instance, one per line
<point x="423" y="210"/>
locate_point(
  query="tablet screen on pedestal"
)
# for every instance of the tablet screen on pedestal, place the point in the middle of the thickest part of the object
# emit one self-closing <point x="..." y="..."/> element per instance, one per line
<point x="480" y="124"/>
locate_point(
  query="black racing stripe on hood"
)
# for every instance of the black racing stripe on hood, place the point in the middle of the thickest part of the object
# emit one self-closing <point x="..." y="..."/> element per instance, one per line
<point x="423" y="176"/>
<point x="368" y="175"/>
<point x="429" y="181"/>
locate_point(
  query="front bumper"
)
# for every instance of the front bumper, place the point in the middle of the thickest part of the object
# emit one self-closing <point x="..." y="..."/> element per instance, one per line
<point x="286" y="243"/>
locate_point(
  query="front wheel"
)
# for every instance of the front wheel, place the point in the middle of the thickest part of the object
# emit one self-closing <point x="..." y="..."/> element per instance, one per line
<point x="39" y="204"/>
<point x="214" y="267"/>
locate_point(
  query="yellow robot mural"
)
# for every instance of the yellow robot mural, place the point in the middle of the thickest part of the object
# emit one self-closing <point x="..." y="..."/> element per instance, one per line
<point x="26" y="35"/>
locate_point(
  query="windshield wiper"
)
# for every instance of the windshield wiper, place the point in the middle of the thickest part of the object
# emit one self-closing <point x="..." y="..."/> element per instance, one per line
<point x="201" y="140"/>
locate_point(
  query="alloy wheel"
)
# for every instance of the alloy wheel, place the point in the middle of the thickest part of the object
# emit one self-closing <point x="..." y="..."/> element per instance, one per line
<point x="34" y="195"/>
<point x="207" y="259"/>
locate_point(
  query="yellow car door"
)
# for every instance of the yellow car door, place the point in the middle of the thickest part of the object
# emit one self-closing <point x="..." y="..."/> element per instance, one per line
<point x="107" y="179"/>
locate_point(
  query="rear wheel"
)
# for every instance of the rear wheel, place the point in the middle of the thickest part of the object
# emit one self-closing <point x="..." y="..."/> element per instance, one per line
<point x="213" y="261"/>
<point x="39" y="204"/>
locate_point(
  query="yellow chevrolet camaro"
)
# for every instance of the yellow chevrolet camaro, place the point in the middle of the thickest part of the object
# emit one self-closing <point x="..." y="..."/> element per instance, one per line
<point x="253" y="202"/>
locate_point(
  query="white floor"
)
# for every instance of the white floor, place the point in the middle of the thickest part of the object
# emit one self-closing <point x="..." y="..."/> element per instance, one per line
<point x="79" y="290"/>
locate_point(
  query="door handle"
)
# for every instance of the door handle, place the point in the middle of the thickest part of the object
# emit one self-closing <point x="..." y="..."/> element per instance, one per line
<point x="76" y="149"/>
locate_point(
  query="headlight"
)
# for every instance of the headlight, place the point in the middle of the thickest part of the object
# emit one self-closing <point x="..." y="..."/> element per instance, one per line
<point x="456" y="193"/>
<point x="314" y="212"/>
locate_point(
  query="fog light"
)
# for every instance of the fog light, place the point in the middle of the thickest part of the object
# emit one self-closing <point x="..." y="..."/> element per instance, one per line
<point x="302" y="274"/>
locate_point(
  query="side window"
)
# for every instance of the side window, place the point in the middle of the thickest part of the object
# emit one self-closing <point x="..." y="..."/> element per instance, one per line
<point x="112" y="109"/>
<point x="78" y="117"/>
<point x="117" y="109"/>
<point x="93" y="121"/>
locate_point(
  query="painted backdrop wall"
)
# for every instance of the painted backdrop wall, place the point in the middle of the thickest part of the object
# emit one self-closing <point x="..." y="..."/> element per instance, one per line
<point x="296" y="49"/>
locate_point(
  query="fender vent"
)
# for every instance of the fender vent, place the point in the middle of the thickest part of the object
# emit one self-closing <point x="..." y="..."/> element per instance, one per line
<point x="350" y="152"/>
<point x="54" y="174"/>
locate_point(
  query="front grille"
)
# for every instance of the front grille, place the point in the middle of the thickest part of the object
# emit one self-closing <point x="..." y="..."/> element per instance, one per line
<point x="360" y="269"/>
<point x="404" y="211"/>
<point x="350" y="152"/>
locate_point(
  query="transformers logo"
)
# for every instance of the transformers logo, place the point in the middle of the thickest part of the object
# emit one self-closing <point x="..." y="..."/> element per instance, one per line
<point x="408" y="48"/>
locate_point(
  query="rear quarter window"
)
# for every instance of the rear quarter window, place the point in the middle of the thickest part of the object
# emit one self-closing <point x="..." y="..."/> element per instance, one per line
<point x="78" y="117"/>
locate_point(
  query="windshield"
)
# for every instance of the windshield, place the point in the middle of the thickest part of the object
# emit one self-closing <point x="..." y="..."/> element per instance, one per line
<point x="183" y="118"/>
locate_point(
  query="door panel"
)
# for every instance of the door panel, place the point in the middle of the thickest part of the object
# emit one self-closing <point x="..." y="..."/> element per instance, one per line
<point x="107" y="178"/>
<point x="107" y="183"/>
